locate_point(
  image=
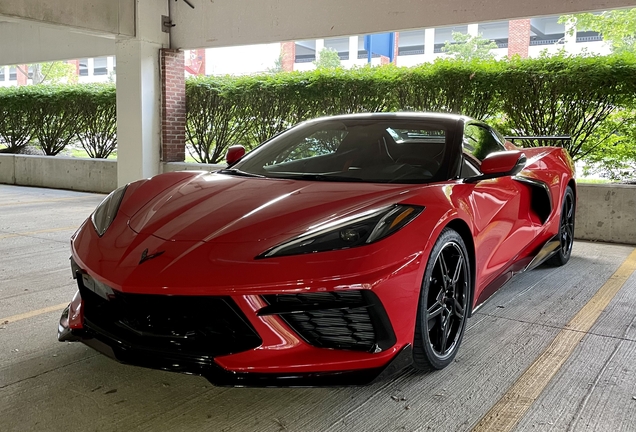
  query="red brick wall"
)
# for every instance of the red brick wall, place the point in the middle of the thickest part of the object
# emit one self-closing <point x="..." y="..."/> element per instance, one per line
<point x="22" y="72"/>
<point x="288" y="51"/>
<point x="518" y="37"/>
<point x="172" y="106"/>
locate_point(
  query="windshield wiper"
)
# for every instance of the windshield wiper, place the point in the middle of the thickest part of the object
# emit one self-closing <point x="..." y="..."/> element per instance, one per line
<point x="320" y="177"/>
<point x="234" y="171"/>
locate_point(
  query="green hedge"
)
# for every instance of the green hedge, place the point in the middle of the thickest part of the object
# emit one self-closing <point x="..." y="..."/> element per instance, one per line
<point x="55" y="115"/>
<point x="546" y="96"/>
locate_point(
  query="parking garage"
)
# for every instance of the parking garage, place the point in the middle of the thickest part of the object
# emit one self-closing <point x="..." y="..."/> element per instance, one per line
<point x="555" y="349"/>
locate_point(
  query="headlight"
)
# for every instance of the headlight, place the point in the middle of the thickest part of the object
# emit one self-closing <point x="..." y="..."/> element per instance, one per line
<point x="348" y="232"/>
<point x="106" y="211"/>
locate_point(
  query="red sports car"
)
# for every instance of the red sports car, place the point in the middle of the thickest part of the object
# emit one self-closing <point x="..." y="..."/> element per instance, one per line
<point x="338" y="252"/>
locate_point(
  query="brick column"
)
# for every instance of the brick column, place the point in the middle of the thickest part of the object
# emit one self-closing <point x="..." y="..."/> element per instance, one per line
<point x="22" y="74"/>
<point x="75" y="64"/>
<point x="518" y="37"/>
<point x="396" y="45"/>
<point x="288" y="52"/>
<point x="172" y="106"/>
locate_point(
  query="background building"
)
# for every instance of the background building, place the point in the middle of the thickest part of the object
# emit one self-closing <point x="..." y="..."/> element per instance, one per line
<point x="525" y="37"/>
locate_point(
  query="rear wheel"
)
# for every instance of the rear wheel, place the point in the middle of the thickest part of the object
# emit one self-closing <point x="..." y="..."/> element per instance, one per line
<point x="443" y="305"/>
<point x="566" y="229"/>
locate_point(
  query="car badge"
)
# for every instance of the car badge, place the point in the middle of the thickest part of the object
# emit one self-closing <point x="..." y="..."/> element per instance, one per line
<point x="145" y="257"/>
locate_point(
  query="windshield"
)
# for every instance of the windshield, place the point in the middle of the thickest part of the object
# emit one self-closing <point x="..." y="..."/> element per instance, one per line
<point x="385" y="151"/>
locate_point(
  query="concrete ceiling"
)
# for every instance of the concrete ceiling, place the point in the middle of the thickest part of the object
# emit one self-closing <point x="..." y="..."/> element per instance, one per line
<point x="44" y="30"/>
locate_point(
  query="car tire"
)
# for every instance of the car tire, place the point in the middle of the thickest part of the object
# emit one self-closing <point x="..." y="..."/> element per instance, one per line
<point x="566" y="229"/>
<point x="444" y="303"/>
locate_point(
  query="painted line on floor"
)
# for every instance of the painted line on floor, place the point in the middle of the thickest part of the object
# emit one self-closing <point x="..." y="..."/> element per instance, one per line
<point x="30" y="233"/>
<point x="32" y="314"/>
<point x="515" y="403"/>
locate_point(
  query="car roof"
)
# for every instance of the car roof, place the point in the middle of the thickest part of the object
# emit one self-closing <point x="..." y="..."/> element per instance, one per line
<point x="399" y="115"/>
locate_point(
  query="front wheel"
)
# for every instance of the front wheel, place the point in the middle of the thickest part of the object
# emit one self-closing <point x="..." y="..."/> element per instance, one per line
<point x="443" y="305"/>
<point x="566" y="229"/>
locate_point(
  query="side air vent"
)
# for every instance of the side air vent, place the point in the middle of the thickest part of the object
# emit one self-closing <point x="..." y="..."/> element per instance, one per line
<point x="353" y="320"/>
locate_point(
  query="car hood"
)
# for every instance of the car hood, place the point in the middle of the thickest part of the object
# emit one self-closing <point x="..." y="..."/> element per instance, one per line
<point x="225" y="208"/>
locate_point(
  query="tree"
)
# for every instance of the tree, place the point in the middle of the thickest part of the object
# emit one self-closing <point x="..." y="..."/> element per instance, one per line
<point x="328" y="59"/>
<point x="467" y="47"/>
<point x="50" y="73"/>
<point x="618" y="27"/>
<point x="278" y="65"/>
<point x="613" y="147"/>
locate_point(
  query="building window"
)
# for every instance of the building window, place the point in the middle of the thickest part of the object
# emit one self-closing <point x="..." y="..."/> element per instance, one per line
<point x="340" y="45"/>
<point x="100" y="66"/>
<point x="83" y="67"/>
<point x="13" y="73"/>
<point x="2" y="78"/>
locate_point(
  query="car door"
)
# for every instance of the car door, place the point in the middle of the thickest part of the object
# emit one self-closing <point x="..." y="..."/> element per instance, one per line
<point x="501" y="210"/>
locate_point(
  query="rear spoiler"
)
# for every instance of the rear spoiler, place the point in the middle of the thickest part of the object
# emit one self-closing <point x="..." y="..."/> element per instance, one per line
<point x="557" y="140"/>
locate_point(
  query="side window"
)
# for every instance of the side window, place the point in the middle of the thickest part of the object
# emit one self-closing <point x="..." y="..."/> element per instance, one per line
<point x="480" y="141"/>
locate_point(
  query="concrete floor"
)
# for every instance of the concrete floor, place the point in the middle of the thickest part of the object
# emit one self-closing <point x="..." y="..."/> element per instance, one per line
<point x="50" y="386"/>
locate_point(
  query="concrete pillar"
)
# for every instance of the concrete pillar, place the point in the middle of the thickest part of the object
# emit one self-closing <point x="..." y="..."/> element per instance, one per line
<point x="90" y="66"/>
<point x="110" y="64"/>
<point x="320" y="45"/>
<point x="353" y="48"/>
<point x="288" y="54"/>
<point x="429" y="44"/>
<point x="473" y="30"/>
<point x="139" y="94"/>
<point x="173" y="106"/>
<point x="518" y="37"/>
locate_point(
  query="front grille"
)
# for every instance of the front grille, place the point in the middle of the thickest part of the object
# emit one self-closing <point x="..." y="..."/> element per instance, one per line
<point x="195" y="326"/>
<point x="353" y="320"/>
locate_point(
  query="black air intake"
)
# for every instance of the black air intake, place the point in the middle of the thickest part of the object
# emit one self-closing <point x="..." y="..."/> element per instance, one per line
<point x="353" y="320"/>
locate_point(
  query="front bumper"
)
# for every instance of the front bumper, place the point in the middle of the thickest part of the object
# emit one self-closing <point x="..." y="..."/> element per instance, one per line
<point x="206" y="367"/>
<point x="92" y="318"/>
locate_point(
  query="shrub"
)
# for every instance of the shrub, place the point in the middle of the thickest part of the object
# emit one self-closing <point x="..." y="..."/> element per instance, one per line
<point x="97" y="120"/>
<point x="16" y="125"/>
<point x="54" y="113"/>
<point x="564" y="95"/>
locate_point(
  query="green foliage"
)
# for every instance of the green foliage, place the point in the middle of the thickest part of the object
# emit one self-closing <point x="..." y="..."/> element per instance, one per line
<point x="56" y="115"/>
<point x="618" y="27"/>
<point x="16" y="125"/>
<point x="591" y="99"/>
<point x="614" y="156"/>
<point x="547" y="96"/>
<point x="97" y="120"/>
<point x="467" y="47"/>
<point x="564" y="96"/>
<point x="50" y="73"/>
<point x="216" y="117"/>
<point x="328" y="59"/>
<point x="278" y="65"/>
<point x="449" y="85"/>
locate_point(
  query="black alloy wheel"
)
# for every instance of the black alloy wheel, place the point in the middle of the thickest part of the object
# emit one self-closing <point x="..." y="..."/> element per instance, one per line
<point x="444" y="303"/>
<point x="566" y="229"/>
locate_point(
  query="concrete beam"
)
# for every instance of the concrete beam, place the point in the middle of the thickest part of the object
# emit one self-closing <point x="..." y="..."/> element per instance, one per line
<point x="227" y="23"/>
<point x="28" y="42"/>
<point x="114" y="17"/>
